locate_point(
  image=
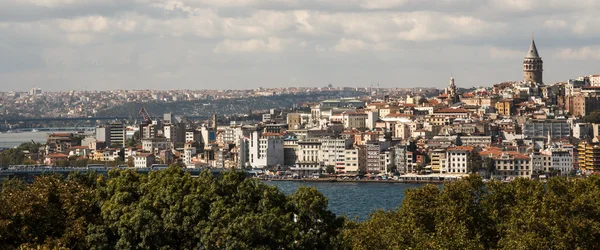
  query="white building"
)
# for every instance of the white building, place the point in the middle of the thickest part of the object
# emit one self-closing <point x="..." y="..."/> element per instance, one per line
<point x="156" y="144"/>
<point x="309" y="155"/>
<point x="351" y="162"/>
<point x="332" y="151"/>
<point x="143" y="160"/>
<point x="457" y="159"/>
<point x="402" y="130"/>
<point x="354" y="120"/>
<point x="509" y="166"/>
<point x="581" y="130"/>
<point x="386" y="161"/>
<point x="266" y="149"/>
<point x="193" y="136"/>
<point x="594" y="80"/>
<point x="372" y="117"/>
<point x="562" y="161"/>
<point x="558" y="159"/>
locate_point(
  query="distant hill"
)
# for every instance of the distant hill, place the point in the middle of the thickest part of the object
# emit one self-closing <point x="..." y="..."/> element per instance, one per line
<point x="237" y="106"/>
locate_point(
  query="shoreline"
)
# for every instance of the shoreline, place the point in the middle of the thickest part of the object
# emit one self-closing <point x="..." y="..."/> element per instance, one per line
<point x="361" y="181"/>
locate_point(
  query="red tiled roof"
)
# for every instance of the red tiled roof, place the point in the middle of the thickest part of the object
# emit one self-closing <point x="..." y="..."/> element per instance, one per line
<point x="460" y="148"/>
<point x="451" y="110"/>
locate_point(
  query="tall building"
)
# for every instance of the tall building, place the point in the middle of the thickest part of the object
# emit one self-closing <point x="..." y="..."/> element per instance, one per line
<point x="117" y="133"/>
<point x="451" y="92"/>
<point x="533" y="66"/>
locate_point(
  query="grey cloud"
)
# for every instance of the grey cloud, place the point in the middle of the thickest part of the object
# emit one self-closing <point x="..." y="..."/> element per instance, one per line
<point x="107" y="44"/>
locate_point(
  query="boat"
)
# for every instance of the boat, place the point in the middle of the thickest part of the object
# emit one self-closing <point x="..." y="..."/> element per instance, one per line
<point x="35" y="130"/>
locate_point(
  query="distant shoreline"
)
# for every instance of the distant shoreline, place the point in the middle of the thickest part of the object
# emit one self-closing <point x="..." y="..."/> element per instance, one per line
<point x="362" y="181"/>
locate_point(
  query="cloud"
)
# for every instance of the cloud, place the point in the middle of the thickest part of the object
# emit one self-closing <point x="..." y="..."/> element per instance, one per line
<point x="350" y="45"/>
<point x="272" y="44"/>
<point x="502" y="53"/>
<point x="114" y="42"/>
<point x="582" y="54"/>
<point x="555" y="24"/>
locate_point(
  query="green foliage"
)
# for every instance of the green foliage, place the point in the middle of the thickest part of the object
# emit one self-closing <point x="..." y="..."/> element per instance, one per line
<point x="330" y="169"/>
<point x="170" y="209"/>
<point x="470" y="214"/>
<point x="593" y="117"/>
<point x="475" y="162"/>
<point x="166" y="209"/>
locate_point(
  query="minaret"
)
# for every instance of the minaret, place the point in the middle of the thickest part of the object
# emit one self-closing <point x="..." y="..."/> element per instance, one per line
<point x="533" y="66"/>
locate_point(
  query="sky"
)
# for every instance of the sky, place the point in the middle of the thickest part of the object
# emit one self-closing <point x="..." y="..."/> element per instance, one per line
<point x="242" y="44"/>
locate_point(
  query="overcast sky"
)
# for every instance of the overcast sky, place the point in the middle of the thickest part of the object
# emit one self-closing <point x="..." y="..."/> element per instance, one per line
<point x="241" y="44"/>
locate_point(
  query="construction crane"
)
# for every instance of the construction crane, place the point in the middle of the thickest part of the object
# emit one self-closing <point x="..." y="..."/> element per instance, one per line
<point x="143" y="113"/>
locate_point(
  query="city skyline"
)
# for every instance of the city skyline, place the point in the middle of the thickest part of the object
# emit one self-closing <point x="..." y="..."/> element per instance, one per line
<point x="62" y="45"/>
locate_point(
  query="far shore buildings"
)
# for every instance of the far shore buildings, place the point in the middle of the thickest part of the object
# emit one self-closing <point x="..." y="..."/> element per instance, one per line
<point x="521" y="129"/>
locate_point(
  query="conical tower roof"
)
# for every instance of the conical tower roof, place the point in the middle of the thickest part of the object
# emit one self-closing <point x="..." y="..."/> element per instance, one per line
<point x="532" y="53"/>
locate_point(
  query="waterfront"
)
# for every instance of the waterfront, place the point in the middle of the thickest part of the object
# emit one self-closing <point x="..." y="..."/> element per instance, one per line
<point x="11" y="140"/>
<point x="354" y="199"/>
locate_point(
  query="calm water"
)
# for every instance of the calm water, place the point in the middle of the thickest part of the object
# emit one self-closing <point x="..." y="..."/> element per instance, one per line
<point x="354" y="199"/>
<point x="10" y="140"/>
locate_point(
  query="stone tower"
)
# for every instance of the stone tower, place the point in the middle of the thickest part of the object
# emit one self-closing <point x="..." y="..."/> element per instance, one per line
<point x="533" y="66"/>
<point x="451" y="91"/>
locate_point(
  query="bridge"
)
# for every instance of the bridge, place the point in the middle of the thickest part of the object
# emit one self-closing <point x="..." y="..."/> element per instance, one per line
<point x="28" y="174"/>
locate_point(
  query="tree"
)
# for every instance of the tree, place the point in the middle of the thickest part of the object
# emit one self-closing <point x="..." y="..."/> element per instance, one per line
<point x="593" y="117"/>
<point x="475" y="162"/>
<point x="130" y="163"/>
<point x="330" y="169"/>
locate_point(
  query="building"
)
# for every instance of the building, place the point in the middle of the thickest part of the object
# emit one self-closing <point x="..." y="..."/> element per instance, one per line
<point x="544" y="128"/>
<point x="387" y="161"/>
<point x="103" y="135"/>
<point x="143" y="160"/>
<point x="355" y="120"/>
<point x="266" y="149"/>
<point x="438" y="160"/>
<point x="533" y="66"/>
<point x="117" y="133"/>
<point x="562" y="161"/>
<point x="451" y="93"/>
<point x="156" y="144"/>
<point x="589" y="156"/>
<point x="309" y="162"/>
<point x="504" y="107"/>
<point x="374" y="148"/>
<point x="294" y="120"/>
<point x="332" y="151"/>
<point x="352" y="161"/>
<point x="511" y="165"/>
<point x="582" y="130"/>
<point x="476" y="141"/>
<point x="451" y="113"/>
<point x="35" y="91"/>
<point x="457" y="160"/>
<point x="290" y="151"/>
<point x="60" y="142"/>
<point x="192" y="135"/>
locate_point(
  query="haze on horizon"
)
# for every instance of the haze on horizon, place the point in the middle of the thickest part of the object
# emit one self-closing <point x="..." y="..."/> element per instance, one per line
<point x="242" y="44"/>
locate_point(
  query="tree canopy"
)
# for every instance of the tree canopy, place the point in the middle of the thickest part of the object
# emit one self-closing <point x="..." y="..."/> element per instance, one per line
<point x="593" y="117"/>
<point x="170" y="209"/>
<point x="166" y="209"/>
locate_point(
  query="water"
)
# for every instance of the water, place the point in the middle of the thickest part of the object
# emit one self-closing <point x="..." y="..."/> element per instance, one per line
<point x="11" y="140"/>
<point x="354" y="199"/>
